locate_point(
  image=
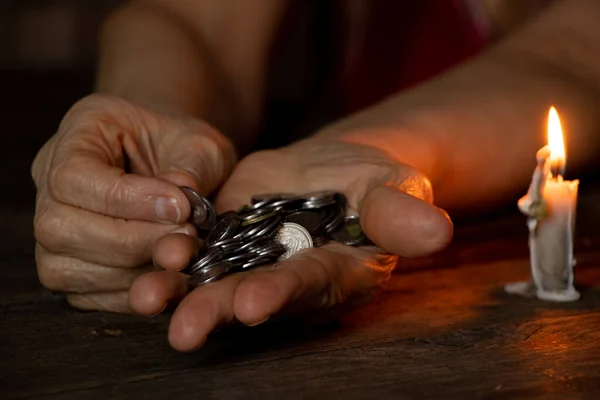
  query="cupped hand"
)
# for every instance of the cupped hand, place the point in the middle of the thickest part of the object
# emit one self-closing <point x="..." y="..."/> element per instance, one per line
<point x="396" y="212"/>
<point x="107" y="188"/>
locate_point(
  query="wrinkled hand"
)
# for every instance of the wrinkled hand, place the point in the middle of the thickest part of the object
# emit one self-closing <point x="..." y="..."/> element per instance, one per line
<point x="107" y="188"/>
<point x="394" y="204"/>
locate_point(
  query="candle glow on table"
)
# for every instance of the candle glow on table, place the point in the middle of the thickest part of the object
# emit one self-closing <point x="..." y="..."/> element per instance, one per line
<point x="550" y="206"/>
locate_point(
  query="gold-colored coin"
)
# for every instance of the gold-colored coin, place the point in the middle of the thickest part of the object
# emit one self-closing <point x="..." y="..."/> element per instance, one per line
<point x="258" y="219"/>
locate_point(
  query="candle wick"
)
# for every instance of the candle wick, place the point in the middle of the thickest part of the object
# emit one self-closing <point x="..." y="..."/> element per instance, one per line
<point x="557" y="169"/>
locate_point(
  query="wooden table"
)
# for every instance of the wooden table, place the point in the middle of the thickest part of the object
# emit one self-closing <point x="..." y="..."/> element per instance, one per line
<point x="443" y="328"/>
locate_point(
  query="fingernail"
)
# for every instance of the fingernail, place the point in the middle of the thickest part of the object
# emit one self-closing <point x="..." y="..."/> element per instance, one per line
<point x="260" y="322"/>
<point x="167" y="209"/>
<point x="183" y="230"/>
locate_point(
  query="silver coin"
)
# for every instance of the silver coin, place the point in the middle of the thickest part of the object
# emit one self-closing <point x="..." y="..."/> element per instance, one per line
<point x="257" y="205"/>
<point x="287" y="202"/>
<point x="251" y="214"/>
<point x="268" y="247"/>
<point x="319" y="241"/>
<point x="254" y="230"/>
<point x="342" y="201"/>
<point x="333" y="218"/>
<point x="322" y="195"/>
<point x="257" y="262"/>
<point x="309" y="220"/>
<point x="273" y="252"/>
<point x="228" y="224"/>
<point x="199" y="213"/>
<point x="270" y="197"/>
<point x="271" y="229"/>
<point x="211" y="273"/>
<point x="211" y="219"/>
<point x="210" y="256"/>
<point x="252" y="243"/>
<point x="294" y="238"/>
<point x="225" y="242"/>
<point x="242" y="257"/>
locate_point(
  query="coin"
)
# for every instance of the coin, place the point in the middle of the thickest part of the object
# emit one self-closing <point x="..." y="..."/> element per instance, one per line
<point x="309" y="220"/>
<point x="294" y="238"/>
<point x="211" y="256"/>
<point x="319" y="241"/>
<point x="203" y="215"/>
<point x="227" y="226"/>
<point x="350" y="232"/>
<point x="211" y="273"/>
<point x="251" y="231"/>
<point x="236" y="258"/>
<point x="257" y="262"/>
<point x="270" y="197"/>
<point x="211" y="218"/>
<point x="332" y="217"/>
<point x="259" y="217"/>
<point x="321" y="195"/>
<point x="199" y="212"/>
<point x="316" y="200"/>
<point x="274" y="227"/>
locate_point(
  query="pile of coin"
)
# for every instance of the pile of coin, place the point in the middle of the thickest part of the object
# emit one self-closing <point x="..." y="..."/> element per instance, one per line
<point x="273" y="227"/>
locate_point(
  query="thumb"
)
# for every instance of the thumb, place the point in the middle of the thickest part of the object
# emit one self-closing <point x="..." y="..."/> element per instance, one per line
<point x="394" y="201"/>
<point x="403" y="224"/>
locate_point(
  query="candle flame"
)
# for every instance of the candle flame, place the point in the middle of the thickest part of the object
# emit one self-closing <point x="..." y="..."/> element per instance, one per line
<point x="556" y="142"/>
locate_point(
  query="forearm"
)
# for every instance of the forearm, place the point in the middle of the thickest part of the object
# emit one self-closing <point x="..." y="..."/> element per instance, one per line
<point x="475" y="130"/>
<point x="149" y="56"/>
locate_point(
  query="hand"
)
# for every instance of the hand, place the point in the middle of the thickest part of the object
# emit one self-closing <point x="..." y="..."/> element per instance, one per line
<point x="394" y="203"/>
<point x="107" y="185"/>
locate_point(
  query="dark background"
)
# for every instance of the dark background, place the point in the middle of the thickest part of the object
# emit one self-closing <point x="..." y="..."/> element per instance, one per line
<point x="47" y="57"/>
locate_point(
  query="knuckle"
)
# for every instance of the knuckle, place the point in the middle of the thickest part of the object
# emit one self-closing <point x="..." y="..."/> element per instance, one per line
<point x="36" y="171"/>
<point x="116" y="193"/>
<point x="51" y="273"/>
<point x="48" y="229"/>
<point x="80" y="302"/>
<point x="59" y="178"/>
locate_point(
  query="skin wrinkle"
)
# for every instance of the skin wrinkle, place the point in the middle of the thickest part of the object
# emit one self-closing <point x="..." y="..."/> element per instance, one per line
<point x="132" y="258"/>
<point x="372" y="169"/>
<point x="340" y="281"/>
<point x="152" y="146"/>
<point x="128" y="251"/>
<point x="113" y="190"/>
<point x="49" y="222"/>
<point x="115" y="301"/>
<point x="140" y="164"/>
<point x="66" y="274"/>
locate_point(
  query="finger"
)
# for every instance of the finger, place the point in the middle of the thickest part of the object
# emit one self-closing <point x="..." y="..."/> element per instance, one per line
<point x="317" y="278"/>
<point x="202" y="311"/>
<point x="108" y="301"/>
<point x="98" y="239"/>
<point x="66" y="274"/>
<point x="151" y="293"/>
<point x="403" y="224"/>
<point x="174" y="252"/>
<point x="87" y="180"/>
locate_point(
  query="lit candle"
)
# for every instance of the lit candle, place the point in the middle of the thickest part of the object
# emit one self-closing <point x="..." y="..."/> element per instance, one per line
<point x="550" y="206"/>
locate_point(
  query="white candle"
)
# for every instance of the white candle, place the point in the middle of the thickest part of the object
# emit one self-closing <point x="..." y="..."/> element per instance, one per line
<point x="550" y="205"/>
